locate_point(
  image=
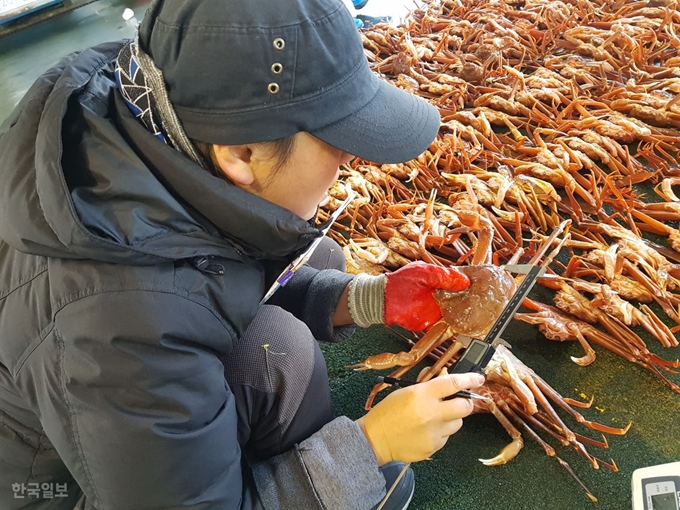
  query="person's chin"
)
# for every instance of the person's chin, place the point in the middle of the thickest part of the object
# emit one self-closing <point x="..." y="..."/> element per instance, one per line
<point x="325" y="199"/>
<point x="311" y="217"/>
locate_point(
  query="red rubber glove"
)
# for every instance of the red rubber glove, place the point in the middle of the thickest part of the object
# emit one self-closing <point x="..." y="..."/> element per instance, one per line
<point x="409" y="300"/>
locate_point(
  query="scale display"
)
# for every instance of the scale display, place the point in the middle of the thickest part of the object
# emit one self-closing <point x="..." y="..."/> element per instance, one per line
<point x="666" y="501"/>
<point x="657" y="487"/>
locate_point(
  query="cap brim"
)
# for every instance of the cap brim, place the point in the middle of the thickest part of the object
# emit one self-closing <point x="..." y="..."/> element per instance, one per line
<point x="393" y="127"/>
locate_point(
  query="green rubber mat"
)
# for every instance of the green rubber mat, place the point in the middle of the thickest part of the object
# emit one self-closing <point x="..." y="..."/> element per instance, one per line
<point x="455" y="480"/>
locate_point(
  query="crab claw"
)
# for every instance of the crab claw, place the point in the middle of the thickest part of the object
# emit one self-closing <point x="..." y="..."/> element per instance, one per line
<point x="385" y="360"/>
<point x="506" y="454"/>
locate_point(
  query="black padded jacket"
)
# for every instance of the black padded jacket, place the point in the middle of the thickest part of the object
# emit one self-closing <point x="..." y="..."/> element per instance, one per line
<point x="125" y="272"/>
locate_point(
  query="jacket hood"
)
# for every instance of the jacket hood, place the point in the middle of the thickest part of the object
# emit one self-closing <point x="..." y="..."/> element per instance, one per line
<point x="80" y="177"/>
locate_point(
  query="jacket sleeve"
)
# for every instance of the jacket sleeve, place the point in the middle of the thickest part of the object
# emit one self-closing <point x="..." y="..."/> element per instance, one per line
<point x="312" y="296"/>
<point x="132" y="395"/>
<point x="336" y="463"/>
<point x="130" y="391"/>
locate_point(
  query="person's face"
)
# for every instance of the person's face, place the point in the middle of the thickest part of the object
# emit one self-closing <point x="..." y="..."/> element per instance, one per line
<point x="298" y="185"/>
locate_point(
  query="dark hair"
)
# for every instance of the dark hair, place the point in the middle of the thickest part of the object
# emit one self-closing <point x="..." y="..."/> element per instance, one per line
<point x="280" y="149"/>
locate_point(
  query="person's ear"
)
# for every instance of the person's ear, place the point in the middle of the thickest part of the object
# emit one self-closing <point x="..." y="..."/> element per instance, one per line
<point x="234" y="162"/>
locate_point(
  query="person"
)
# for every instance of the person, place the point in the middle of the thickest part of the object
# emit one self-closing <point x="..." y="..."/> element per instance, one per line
<point x="151" y="191"/>
<point x="363" y="20"/>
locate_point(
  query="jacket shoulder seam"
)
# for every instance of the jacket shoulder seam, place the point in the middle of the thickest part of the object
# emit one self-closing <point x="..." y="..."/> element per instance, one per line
<point x="99" y="63"/>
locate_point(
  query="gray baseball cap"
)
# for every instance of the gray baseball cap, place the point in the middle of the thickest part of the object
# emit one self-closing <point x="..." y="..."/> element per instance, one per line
<point x="246" y="71"/>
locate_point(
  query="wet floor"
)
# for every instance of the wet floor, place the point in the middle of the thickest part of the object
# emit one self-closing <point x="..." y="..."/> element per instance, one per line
<point x="25" y="55"/>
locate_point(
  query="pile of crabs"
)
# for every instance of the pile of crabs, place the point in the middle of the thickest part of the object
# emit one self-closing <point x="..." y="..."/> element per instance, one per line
<point x="558" y="144"/>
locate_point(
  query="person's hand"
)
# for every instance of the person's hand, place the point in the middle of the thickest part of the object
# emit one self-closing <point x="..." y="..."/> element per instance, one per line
<point x="412" y="423"/>
<point x="409" y="300"/>
<point x="403" y="298"/>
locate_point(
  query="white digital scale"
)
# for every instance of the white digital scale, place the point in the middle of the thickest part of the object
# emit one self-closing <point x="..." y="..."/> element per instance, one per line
<point x="657" y="487"/>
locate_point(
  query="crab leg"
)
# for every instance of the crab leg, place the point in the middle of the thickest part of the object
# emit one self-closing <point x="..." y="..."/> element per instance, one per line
<point x="511" y="450"/>
<point x="550" y="451"/>
<point x="443" y="361"/>
<point x="557" y="398"/>
<point x="436" y="335"/>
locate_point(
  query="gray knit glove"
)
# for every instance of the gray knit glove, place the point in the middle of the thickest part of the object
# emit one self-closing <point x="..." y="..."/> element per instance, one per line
<point x="367" y="300"/>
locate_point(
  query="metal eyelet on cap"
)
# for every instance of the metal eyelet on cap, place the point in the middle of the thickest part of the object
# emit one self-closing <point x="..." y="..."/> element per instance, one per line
<point x="277" y="68"/>
<point x="279" y="43"/>
<point x="273" y="88"/>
